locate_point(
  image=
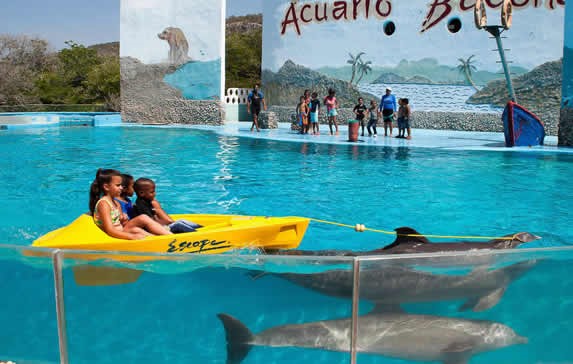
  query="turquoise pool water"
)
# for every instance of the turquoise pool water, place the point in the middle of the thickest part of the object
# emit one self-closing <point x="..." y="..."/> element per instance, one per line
<point x="172" y="317"/>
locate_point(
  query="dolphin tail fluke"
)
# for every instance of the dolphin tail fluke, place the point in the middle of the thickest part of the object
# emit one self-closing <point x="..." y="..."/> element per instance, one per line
<point x="238" y="338"/>
<point x="478" y="304"/>
<point x="511" y="273"/>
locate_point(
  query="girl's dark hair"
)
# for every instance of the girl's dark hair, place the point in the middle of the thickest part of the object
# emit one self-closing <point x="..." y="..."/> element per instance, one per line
<point x="331" y="92"/>
<point x="126" y="180"/>
<point x="102" y="177"/>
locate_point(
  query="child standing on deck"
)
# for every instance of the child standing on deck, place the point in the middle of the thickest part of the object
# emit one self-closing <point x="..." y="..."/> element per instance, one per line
<point x="314" y="110"/>
<point x="404" y="113"/>
<point x="302" y="114"/>
<point x="331" y="105"/>
<point x="360" y="112"/>
<point x="372" y="110"/>
<point x="106" y="211"/>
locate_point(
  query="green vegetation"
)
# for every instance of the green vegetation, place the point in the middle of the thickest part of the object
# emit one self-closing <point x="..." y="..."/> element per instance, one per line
<point x="77" y="75"/>
<point x="466" y="67"/>
<point x="243" y="52"/>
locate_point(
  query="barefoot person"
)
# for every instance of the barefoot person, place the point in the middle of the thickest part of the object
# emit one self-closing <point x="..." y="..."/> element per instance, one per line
<point x="254" y="101"/>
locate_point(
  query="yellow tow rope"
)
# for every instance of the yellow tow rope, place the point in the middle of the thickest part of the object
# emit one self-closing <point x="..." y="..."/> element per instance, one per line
<point x="361" y="228"/>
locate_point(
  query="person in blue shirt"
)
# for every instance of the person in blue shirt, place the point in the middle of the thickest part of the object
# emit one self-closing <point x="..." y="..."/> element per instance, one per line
<point x="254" y="101"/>
<point x="124" y="198"/>
<point x="387" y="108"/>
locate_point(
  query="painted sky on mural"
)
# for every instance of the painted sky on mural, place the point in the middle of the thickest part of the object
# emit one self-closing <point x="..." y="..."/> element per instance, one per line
<point x="334" y="40"/>
<point x="143" y="20"/>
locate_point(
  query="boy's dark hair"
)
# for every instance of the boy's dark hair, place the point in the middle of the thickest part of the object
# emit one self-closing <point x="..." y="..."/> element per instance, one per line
<point x="138" y="185"/>
<point x="314" y="94"/>
<point x="405" y="101"/>
<point x="126" y="179"/>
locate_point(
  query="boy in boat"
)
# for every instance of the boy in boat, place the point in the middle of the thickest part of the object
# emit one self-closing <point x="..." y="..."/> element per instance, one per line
<point x="146" y="204"/>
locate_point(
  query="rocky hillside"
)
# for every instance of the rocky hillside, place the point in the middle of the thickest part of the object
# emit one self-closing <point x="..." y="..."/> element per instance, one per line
<point x="539" y="91"/>
<point x="110" y="49"/>
<point x="244" y="24"/>
<point x="287" y="85"/>
<point x="394" y="78"/>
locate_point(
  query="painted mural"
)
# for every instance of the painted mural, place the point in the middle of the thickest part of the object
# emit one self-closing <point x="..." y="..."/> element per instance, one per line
<point x="429" y="51"/>
<point x="171" y="65"/>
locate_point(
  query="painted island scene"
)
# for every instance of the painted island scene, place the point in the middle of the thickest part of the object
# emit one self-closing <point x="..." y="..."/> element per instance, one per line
<point x="429" y="52"/>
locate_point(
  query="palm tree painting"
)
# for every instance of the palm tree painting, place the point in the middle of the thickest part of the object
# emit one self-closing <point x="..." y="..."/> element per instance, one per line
<point x="354" y="62"/>
<point x="466" y="67"/>
<point x="363" y="68"/>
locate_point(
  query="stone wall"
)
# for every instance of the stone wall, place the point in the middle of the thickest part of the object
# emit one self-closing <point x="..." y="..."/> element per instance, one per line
<point x="420" y="119"/>
<point x="147" y="99"/>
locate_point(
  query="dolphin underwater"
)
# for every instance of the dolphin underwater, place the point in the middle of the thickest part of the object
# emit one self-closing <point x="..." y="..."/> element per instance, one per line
<point x="393" y="285"/>
<point x="397" y="335"/>
<point x="406" y="243"/>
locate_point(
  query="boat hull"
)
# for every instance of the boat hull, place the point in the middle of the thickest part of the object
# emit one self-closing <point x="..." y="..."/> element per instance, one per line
<point x="521" y="127"/>
<point x="220" y="233"/>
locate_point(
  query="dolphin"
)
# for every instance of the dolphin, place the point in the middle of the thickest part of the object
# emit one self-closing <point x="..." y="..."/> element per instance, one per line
<point x="409" y="240"/>
<point x="393" y="285"/>
<point x="397" y="335"/>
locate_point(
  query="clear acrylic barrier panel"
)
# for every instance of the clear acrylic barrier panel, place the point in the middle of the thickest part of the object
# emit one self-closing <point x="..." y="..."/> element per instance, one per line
<point x="200" y="309"/>
<point x="28" y="332"/>
<point x="511" y="306"/>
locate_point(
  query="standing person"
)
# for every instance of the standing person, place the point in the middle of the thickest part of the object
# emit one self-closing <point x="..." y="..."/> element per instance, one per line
<point x="314" y="110"/>
<point x="360" y="112"/>
<point x="404" y="113"/>
<point x="331" y="105"/>
<point x="106" y="211"/>
<point x="254" y="101"/>
<point x="302" y="115"/>
<point x="388" y="108"/>
<point x="373" y="112"/>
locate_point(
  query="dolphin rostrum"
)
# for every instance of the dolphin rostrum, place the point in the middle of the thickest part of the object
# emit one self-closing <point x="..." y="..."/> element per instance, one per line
<point x="393" y="285"/>
<point x="409" y="240"/>
<point x="397" y="335"/>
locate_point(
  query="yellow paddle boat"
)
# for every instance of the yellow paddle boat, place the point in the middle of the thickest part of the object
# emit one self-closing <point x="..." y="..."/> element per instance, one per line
<point x="218" y="234"/>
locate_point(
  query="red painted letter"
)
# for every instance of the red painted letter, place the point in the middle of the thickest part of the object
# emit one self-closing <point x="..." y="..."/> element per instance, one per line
<point x="291" y="12"/>
<point x="439" y="9"/>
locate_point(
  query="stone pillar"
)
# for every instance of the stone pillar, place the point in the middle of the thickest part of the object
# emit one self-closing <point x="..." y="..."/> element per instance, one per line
<point x="268" y="120"/>
<point x="565" y="137"/>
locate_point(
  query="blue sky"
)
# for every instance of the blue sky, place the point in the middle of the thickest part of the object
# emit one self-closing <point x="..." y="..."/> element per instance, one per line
<point x="84" y="21"/>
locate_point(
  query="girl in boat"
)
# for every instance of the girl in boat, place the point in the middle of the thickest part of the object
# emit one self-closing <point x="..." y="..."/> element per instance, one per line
<point x="106" y="211"/>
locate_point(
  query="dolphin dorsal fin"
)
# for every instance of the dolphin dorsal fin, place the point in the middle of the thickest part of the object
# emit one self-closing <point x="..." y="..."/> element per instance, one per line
<point x="404" y="235"/>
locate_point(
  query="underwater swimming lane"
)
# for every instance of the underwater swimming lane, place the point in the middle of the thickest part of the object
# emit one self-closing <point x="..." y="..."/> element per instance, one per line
<point x="218" y="234"/>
